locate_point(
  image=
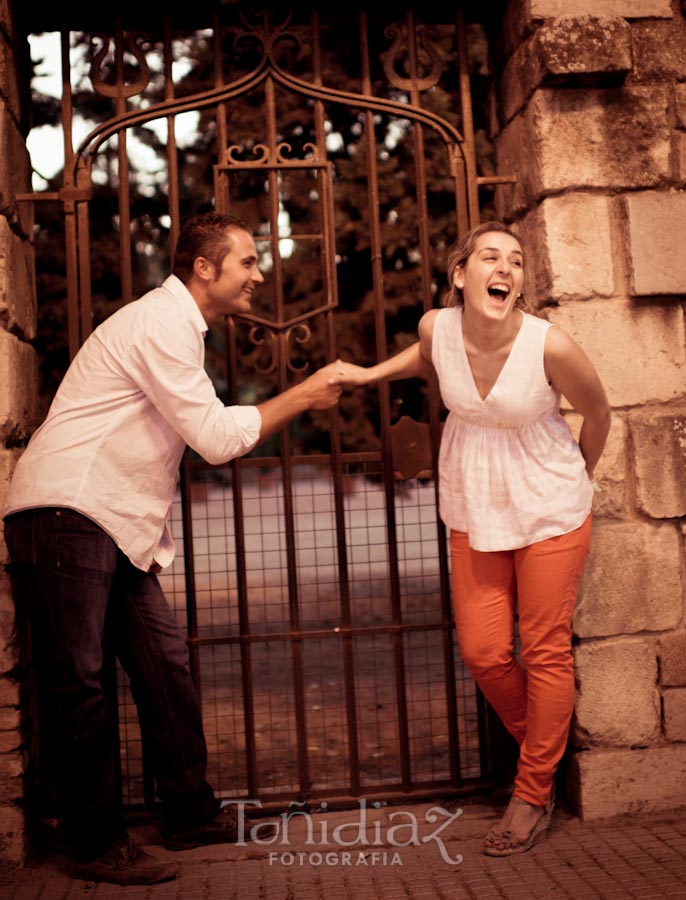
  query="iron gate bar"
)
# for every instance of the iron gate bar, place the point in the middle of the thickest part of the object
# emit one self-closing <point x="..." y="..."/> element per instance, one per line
<point x="434" y="398"/>
<point x="338" y="631"/>
<point x="172" y="160"/>
<point x="337" y="801"/>
<point x="123" y="165"/>
<point x="467" y="124"/>
<point x="347" y="650"/>
<point x="76" y="337"/>
<point x="236" y="467"/>
<point x="385" y="408"/>
<point x="189" y="570"/>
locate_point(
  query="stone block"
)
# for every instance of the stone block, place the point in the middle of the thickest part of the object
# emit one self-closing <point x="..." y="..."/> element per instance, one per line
<point x="8" y="76"/>
<point x="639" y="351"/>
<point x="658" y="50"/>
<point x="674" y="712"/>
<point x="515" y="144"/>
<point x="610" y="500"/>
<point x="659" y="458"/>
<point x="679" y="158"/>
<point x="8" y="651"/>
<point x="607" y="783"/>
<point x="632" y="580"/>
<point x="567" y="50"/>
<point x="629" y="9"/>
<point x="18" y="388"/>
<point x="10" y="719"/>
<point x="11" y="766"/>
<point x="8" y="460"/>
<point x="10" y="741"/>
<point x="573" y="259"/>
<point x="576" y="45"/>
<point x="602" y="138"/>
<point x="673" y="659"/>
<point x="655" y="219"/>
<point x="680" y="105"/>
<point x="16" y="161"/>
<point x="17" y="282"/>
<point x="611" y="138"/>
<point x="515" y="26"/>
<point x="12" y="835"/>
<point x="617" y="702"/>
<point x="11" y="780"/>
<point x="9" y="692"/>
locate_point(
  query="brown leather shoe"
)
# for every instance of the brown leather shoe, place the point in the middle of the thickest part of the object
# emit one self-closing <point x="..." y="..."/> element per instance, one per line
<point x="125" y="863"/>
<point x="222" y="829"/>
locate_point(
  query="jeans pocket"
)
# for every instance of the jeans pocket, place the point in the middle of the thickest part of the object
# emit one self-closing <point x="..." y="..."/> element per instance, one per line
<point x="81" y="545"/>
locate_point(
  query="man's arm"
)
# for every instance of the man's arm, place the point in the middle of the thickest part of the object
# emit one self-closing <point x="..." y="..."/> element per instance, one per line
<point x="321" y="390"/>
<point x="166" y="364"/>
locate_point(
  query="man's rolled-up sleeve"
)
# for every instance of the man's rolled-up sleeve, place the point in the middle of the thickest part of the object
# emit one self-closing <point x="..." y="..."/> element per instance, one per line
<point x="167" y="365"/>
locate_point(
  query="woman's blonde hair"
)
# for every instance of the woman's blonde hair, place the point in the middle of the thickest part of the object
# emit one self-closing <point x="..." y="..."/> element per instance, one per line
<point x="461" y="252"/>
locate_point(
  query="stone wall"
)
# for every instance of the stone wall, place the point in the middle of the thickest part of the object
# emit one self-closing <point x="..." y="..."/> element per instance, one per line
<point x="18" y="390"/>
<point x="592" y="111"/>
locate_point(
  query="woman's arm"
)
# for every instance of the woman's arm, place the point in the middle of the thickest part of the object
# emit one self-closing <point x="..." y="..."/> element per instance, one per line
<point x="571" y="373"/>
<point x="412" y="362"/>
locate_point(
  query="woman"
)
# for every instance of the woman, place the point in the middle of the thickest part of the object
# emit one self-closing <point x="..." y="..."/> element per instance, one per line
<point x="515" y="491"/>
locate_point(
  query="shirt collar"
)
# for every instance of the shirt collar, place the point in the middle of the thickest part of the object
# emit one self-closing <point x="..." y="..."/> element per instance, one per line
<point x="176" y="287"/>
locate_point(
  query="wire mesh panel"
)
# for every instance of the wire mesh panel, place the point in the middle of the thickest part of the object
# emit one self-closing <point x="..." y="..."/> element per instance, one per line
<point x="221" y="679"/>
<point x="367" y="703"/>
<point x="379" y="726"/>
<point x="427" y="707"/>
<point x="327" y="731"/>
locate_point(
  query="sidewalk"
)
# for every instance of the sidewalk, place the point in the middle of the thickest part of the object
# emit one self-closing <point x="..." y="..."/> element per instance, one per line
<point x="410" y="854"/>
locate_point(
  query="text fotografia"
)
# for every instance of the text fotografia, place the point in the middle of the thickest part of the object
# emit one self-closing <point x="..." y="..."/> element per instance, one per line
<point x="352" y="843"/>
<point x="337" y="858"/>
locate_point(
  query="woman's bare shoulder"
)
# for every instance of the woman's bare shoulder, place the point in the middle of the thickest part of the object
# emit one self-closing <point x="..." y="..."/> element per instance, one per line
<point x="426" y="323"/>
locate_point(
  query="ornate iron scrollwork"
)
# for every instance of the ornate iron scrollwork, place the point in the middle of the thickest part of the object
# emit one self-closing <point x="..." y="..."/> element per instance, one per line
<point x="399" y="52"/>
<point x="264" y="341"/>
<point x="131" y="43"/>
<point x="260" y="343"/>
<point x="265" y="32"/>
<point x="302" y="337"/>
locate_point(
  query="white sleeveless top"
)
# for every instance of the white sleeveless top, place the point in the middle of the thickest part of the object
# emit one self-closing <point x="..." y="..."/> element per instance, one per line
<point x="510" y="471"/>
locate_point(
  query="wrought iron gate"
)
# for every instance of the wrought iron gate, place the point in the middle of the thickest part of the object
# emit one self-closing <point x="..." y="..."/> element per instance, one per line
<point x="313" y="575"/>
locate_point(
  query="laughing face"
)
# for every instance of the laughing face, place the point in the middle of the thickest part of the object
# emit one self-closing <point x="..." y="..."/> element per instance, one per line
<point x="492" y="278"/>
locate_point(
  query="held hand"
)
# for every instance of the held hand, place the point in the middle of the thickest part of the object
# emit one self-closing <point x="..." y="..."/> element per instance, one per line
<point x="349" y="373"/>
<point x="323" y="388"/>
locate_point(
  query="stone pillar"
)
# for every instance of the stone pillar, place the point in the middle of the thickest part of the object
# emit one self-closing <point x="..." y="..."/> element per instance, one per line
<point x="592" y="121"/>
<point x="18" y="391"/>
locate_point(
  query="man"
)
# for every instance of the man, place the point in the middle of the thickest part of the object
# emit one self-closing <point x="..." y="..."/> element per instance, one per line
<point x="86" y="528"/>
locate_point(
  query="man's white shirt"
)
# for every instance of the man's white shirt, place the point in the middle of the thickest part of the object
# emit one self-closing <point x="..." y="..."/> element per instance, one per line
<point x="135" y="394"/>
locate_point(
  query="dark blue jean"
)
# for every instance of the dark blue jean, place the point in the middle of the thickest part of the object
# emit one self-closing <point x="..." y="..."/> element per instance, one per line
<point x="84" y="601"/>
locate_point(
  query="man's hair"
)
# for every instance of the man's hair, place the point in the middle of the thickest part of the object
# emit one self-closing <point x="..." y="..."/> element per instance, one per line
<point x="204" y="235"/>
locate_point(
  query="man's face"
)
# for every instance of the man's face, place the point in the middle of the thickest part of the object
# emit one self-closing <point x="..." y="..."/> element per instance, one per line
<point x="231" y="289"/>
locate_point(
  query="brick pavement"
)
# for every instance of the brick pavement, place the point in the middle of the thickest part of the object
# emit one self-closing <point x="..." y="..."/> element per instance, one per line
<point x="642" y="856"/>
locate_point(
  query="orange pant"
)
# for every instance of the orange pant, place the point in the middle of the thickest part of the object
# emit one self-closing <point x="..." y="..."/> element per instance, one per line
<point x="535" y="702"/>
